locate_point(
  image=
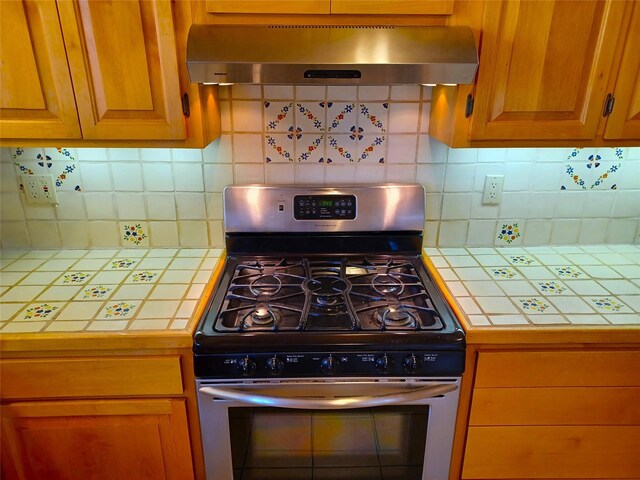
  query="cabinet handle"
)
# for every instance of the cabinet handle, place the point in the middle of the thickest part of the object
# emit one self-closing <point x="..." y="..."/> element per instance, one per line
<point x="608" y="105"/>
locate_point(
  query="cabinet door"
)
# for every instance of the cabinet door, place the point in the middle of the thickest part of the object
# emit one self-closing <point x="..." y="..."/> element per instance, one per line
<point x="36" y="100"/>
<point x="269" y="6"/>
<point x="544" y="67"/>
<point x="123" y="63"/>
<point x="393" y="7"/>
<point x="624" y="121"/>
<point x="100" y="440"/>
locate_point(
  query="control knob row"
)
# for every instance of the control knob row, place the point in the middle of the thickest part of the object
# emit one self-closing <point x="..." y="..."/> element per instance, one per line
<point x="410" y="364"/>
<point x="248" y="366"/>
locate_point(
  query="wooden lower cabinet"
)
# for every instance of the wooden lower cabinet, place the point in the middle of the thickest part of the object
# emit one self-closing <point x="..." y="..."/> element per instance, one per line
<point x="118" y="415"/>
<point x="96" y="439"/>
<point x="554" y="415"/>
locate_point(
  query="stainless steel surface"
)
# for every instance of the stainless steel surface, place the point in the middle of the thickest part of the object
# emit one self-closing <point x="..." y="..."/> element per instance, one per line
<point x="282" y="54"/>
<point x="214" y="414"/>
<point x="254" y="208"/>
<point x="255" y="399"/>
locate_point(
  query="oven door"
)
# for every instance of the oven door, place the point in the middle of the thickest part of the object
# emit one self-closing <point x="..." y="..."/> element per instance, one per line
<point x="355" y="429"/>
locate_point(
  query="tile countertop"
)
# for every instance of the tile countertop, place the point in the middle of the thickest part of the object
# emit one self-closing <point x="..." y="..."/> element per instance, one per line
<point x="82" y="291"/>
<point x="570" y="289"/>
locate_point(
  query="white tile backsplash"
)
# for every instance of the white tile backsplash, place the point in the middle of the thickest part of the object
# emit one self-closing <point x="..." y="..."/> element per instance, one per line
<point x="323" y="135"/>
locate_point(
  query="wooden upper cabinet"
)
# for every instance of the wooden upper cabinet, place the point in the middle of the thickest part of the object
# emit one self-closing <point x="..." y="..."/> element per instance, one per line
<point x="324" y="7"/>
<point x="122" y="58"/>
<point x="36" y="97"/>
<point x="269" y="7"/>
<point x="393" y="7"/>
<point x="544" y="68"/>
<point x="624" y="120"/>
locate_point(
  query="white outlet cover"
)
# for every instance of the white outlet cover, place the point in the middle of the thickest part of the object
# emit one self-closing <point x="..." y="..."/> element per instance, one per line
<point x="40" y="189"/>
<point x="492" y="193"/>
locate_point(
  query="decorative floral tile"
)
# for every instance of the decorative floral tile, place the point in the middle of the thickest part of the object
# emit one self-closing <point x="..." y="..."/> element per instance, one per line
<point x="608" y="304"/>
<point x="534" y="305"/>
<point x="74" y="278"/>
<point x="371" y="148"/>
<point x="280" y="147"/>
<point x="508" y="233"/>
<point x="373" y="117"/>
<point x="522" y="260"/>
<point x="568" y="271"/>
<point x="39" y="311"/>
<point x="310" y="116"/>
<point x="310" y="148"/>
<point x="144" y="276"/>
<point x="57" y="162"/>
<point x="341" y="148"/>
<point x="341" y="117"/>
<point x="95" y="292"/>
<point x="551" y="288"/>
<point x="122" y="264"/>
<point x="278" y="116"/>
<point x="134" y="234"/>
<point x="504" y="272"/>
<point x="117" y="310"/>
<point x="593" y="169"/>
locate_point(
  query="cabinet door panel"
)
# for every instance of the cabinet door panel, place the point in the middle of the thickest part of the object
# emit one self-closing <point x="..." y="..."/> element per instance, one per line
<point x="544" y="67"/>
<point x="592" y="368"/>
<point x="36" y="100"/>
<point x="103" y="440"/>
<point x="556" y="452"/>
<point x="124" y="67"/>
<point x="555" y="406"/>
<point x="268" y="6"/>
<point x="393" y="7"/>
<point x="624" y="121"/>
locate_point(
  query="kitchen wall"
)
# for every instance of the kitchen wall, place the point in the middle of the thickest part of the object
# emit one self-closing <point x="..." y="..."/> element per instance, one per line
<point x="331" y="135"/>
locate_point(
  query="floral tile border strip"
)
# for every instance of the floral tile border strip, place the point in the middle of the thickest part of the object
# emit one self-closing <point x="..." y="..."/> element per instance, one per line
<point x="584" y="172"/>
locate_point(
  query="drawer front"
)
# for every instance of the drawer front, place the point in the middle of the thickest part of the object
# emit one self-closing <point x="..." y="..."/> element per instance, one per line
<point x="558" y="369"/>
<point x="570" y="452"/>
<point x="556" y="406"/>
<point x="91" y="377"/>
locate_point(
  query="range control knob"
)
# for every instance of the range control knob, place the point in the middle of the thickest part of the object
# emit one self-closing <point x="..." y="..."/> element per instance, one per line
<point x="329" y="365"/>
<point x="411" y="363"/>
<point x="247" y="366"/>
<point x="384" y="363"/>
<point x="275" y="365"/>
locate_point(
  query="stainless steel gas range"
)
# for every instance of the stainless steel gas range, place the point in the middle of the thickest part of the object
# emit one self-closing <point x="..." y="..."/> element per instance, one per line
<point x="326" y="350"/>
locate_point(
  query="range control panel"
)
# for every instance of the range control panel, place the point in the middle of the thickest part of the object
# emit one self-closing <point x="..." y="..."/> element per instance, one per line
<point x="322" y="364"/>
<point x="331" y="207"/>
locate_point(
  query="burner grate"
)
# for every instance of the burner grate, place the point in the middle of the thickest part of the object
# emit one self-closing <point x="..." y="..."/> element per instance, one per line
<point x="336" y="294"/>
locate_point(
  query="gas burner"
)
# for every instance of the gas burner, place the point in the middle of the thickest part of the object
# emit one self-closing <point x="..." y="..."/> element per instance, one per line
<point x="260" y="317"/>
<point x="395" y="317"/>
<point x="326" y="287"/>
<point x="387" y="284"/>
<point x="265" y="285"/>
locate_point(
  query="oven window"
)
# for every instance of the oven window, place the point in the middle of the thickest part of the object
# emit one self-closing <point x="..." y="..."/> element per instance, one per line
<point x="385" y="443"/>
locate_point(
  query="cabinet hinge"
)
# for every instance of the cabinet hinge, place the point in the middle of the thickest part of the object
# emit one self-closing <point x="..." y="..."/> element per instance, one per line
<point x="185" y="105"/>
<point x="608" y="105"/>
<point x="469" y="107"/>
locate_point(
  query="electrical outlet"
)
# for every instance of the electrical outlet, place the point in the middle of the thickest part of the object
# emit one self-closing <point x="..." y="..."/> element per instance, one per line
<point x="40" y="189"/>
<point x="492" y="189"/>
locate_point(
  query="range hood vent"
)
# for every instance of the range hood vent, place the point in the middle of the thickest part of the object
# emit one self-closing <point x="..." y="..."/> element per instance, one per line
<point x="331" y="55"/>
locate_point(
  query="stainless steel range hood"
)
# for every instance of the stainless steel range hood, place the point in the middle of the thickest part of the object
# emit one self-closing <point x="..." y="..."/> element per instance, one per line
<point x="331" y="55"/>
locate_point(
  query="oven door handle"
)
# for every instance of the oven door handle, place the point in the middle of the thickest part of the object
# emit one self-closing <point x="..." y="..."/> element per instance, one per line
<point x="330" y="403"/>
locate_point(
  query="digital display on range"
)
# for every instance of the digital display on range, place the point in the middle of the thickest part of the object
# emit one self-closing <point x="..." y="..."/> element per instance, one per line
<point x="331" y="207"/>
